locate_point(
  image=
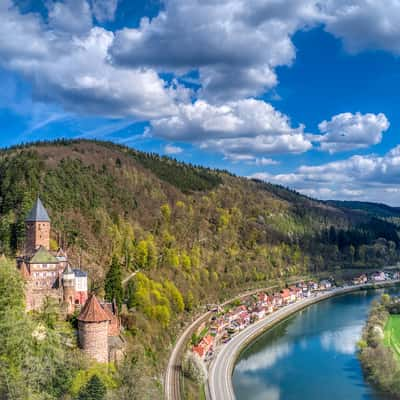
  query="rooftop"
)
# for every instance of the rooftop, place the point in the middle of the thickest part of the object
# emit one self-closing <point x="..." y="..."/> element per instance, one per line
<point x="38" y="213"/>
<point x="79" y="273"/>
<point x="43" y="256"/>
<point x="92" y="311"/>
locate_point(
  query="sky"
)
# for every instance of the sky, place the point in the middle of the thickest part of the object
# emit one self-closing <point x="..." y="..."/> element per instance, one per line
<point x="300" y="93"/>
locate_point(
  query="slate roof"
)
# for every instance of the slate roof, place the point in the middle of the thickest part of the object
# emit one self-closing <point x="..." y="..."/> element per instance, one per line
<point x="43" y="256"/>
<point x="79" y="273"/>
<point x="38" y="213"/>
<point x="92" y="311"/>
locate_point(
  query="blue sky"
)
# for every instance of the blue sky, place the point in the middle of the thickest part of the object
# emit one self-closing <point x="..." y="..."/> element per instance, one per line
<point x="303" y="94"/>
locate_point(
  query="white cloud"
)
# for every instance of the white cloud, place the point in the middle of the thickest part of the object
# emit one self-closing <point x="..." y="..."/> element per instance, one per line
<point x="242" y="130"/>
<point x="70" y="16"/>
<point x="235" y="47"/>
<point x="250" y="159"/>
<point x="265" y="161"/>
<point x="349" y="131"/>
<point x="74" y="71"/>
<point x="171" y="149"/>
<point x="369" y="177"/>
<point x="104" y="10"/>
<point x="364" y="24"/>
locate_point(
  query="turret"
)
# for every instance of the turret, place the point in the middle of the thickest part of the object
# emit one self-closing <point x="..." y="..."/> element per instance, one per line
<point x="93" y="324"/>
<point x="37" y="228"/>
<point x="68" y="282"/>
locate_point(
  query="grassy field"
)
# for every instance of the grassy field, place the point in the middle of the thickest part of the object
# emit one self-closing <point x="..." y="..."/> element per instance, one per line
<point x="392" y="333"/>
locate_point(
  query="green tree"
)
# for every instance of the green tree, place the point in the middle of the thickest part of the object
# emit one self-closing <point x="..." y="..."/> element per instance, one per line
<point x="113" y="284"/>
<point x="93" y="390"/>
<point x="130" y="292"/>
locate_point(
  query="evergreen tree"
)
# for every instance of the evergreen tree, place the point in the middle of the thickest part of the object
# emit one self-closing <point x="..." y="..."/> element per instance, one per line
<point x="130" y="294"/>
<point x="113" y="283"/>
<point x="93" y="390"/>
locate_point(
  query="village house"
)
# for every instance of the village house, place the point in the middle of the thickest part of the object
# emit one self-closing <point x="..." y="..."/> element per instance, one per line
<point x="218" y="326"/>
<point x="287" y="296"/>
<point x="378" y="276"/>
<point x="325" y="284"/>
<point x="360" y="280"/>
<point x="205" y="345"/>
<point x="258" y="313"/>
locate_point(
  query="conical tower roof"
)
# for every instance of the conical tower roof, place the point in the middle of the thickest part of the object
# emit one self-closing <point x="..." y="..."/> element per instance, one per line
<point x="68" y="270"/>
<point x="92" y="311"/>
<point x="38" y="213"/>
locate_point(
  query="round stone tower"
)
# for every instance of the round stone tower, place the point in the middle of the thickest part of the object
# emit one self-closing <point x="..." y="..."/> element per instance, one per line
<point x="93" y="324"/>
<point x="68" y="283"/>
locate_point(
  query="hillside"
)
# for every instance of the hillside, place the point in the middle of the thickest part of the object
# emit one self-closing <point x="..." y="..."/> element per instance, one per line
<point x="197" y="235"/>
<point x="378" y="210"/>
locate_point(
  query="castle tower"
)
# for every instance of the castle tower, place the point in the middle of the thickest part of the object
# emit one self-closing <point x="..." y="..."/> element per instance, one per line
<point x="68" y="283"/>
<point x="37" y="228"/>
<point x="93" y="324"/>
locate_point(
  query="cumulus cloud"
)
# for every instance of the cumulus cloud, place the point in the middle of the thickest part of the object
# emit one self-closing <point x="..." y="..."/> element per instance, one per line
<point x="241" y="130"/>
<point x="75" y="72"/>
<point x="171" y="149"/>
<point x="104" y="10"/>
<point x="235" y="47"/>
<point x="364" y="24"/>
<point x="369" y="177"/>
<point x="250" y="159"/>
<point x="70" y="16"/>
<point x="349" y="131"/>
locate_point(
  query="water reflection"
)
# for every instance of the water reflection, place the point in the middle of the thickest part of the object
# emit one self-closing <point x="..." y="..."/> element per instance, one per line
<point x="310" y="356"/>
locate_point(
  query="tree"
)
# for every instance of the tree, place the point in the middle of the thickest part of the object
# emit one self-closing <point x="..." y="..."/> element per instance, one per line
<point x="93" y="390"/>
<point x="113" y="283"/>
<point x="130" y="294"/>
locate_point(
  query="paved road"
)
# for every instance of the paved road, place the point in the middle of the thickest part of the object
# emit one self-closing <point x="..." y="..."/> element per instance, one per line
<point x="221" y="369"/>
<point x="172" y="389"/>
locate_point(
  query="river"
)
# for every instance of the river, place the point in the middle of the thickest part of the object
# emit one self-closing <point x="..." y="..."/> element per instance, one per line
<point x="310" y="356"/>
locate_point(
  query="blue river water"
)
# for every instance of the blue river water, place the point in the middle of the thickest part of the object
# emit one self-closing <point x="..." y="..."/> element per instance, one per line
<point x="311" y="356"/>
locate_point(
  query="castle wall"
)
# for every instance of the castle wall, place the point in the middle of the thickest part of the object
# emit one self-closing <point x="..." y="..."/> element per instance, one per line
<point x="34" y="298"/>
<point x="114" y="328"/>
<point x="93" y="340"/>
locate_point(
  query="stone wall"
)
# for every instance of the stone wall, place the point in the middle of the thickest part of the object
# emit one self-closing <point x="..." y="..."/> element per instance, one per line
<point x="37" y="234"/>
<point x="93" y="340"/>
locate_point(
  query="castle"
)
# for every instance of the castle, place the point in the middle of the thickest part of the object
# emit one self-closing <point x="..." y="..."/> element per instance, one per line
<point x="49" y="274"/>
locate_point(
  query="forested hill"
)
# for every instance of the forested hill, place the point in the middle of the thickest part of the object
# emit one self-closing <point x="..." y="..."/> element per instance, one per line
<point x="378" y="210"/>
<point x="195" y="234"/>
<point x="159" y="214"/>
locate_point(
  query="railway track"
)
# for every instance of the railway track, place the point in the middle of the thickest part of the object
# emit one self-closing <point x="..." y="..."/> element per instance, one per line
<point x="172" y="378"/>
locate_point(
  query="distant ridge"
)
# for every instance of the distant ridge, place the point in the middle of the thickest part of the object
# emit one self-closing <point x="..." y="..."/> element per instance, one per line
<point x="379" y="210"/>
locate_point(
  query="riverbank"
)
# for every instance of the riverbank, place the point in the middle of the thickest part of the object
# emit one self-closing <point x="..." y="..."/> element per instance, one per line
<point x="379" y="347"/>
<point x="220" y="373"/>
<point x="174" y="379"/>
